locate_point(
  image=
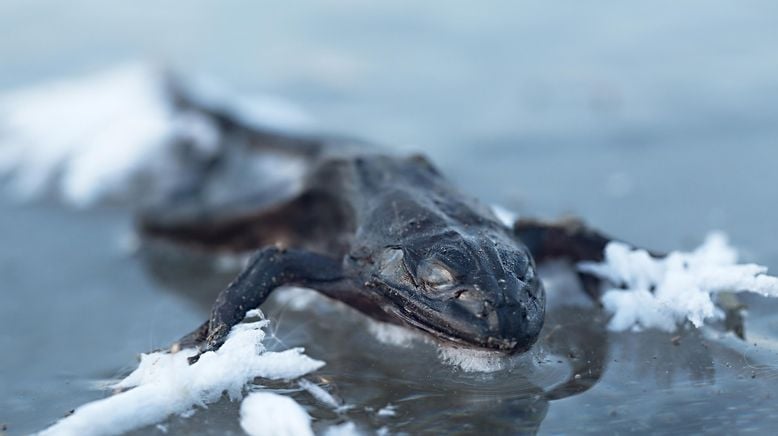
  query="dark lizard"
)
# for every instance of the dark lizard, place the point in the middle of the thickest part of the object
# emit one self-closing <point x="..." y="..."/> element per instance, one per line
<point x="387" y="235"/>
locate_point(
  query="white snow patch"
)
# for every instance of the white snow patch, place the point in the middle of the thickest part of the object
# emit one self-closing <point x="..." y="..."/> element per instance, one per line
<point x="106" y="134"/>
<point x="269" y="414"/>
<point x="93" y="134"/>
<point x="644" y="292"/>
<point x="165" y="384"/>
<point x="472" y="360"/>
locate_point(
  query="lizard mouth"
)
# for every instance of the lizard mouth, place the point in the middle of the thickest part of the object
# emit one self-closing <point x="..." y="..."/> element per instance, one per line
<point x="454" y="338"/>
<point x="454" y="327"/>
<point x="449" y="329"/>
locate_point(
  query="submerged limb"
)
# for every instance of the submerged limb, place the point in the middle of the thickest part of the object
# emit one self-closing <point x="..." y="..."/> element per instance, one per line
<point x="267" y="270"/>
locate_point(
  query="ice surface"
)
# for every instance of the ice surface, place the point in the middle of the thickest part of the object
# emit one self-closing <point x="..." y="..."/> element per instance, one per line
<point x="269" y="414"/>
<point x="644" y="292"/>
<point x="165" y="384"/>
<point x="104" y="134"/>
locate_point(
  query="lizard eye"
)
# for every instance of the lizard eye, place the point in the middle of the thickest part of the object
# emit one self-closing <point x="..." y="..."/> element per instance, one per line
<point x="391" y="264"/>
<point x="435" y="275"/>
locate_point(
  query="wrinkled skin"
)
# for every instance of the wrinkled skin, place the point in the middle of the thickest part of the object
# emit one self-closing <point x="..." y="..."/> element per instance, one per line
<point x="440" y="262"/>
<point x="389" y="236"/>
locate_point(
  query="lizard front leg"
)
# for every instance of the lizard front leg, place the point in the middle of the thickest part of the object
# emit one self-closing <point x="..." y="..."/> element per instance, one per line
<point x="267" y="270"/>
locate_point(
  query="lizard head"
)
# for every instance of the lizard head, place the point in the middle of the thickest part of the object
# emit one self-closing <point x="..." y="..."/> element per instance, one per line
<point x="471" y="288"/>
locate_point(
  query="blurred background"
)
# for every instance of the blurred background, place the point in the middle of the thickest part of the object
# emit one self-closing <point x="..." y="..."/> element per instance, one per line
<point x="654" y="120"/>
<point x="628" y="101"/>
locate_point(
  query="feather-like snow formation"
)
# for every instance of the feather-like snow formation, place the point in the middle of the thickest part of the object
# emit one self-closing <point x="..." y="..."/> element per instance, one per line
<point x="664" y="293"/>
<point x="165" y="384"/>
<point x="102" y="135"/>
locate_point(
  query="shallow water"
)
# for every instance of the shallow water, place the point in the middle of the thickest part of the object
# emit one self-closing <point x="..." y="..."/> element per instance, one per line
<point x="652" y="122"/>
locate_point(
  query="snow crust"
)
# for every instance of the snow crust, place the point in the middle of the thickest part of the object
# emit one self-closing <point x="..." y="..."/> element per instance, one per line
<point x="645" y="292"/>
<point x="266" y="414"/>
<point x="101" y="135"/>
<point x="165" y="384"/>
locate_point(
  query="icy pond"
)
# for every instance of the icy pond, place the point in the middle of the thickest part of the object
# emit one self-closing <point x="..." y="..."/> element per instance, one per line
<point x="653" y="122"/>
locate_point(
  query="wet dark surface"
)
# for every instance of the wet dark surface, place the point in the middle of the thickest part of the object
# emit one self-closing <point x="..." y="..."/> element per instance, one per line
<point x="654" y="122"/>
